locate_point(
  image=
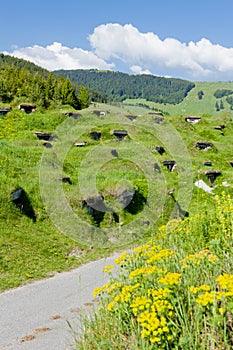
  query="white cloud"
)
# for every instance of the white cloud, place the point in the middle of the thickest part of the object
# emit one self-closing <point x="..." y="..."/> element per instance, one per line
<point x="114" y="45"/>
<point x="139" y="70"/>
<point x="56" y="56"/>
<point x="202" y="60"/>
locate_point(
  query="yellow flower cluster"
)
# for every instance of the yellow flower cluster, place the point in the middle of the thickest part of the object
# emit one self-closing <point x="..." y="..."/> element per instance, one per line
<point x="211" y="297"/>
<point x="140" y="303"/>
<point x="100" y="290"/>
<point x="161" y="255"/>
<point x="151" y="307"/>
<point x="147" y="270"/>
<point x="126" y="293"/>
<point x="111" y="306"/>
<point x="122" y="259"/>
<point x="170" y="279"/>
<point x="160" y="301"/>
<point x="106" y="288"/>
<point x="225" y="281"/>
<point x="224" y="214"/>
<point x="108" y="268"/>
<point x="153" y="326"/>
<point x="225" y="203"/>
<point x="146" y="247"/>
<point x="112" y="286"/>
<point x="153" y="312"/>
<point x="150" y="251"/>
<point x="160" y="293"/>
<point x="196" y="290"/>
<point x="159" y="286"/>
<point x="197" y="258"/>
<point x="207" y="298"/>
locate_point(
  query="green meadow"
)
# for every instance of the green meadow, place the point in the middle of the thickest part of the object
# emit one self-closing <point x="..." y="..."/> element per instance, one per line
<point x="33" y="249"/>
<point x="175" y="290"/>
<point x="192" y="105"/>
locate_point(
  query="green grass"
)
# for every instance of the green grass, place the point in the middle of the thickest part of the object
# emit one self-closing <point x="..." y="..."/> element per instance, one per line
<point x="191" y="105"/>
<point x="32" y="250"/>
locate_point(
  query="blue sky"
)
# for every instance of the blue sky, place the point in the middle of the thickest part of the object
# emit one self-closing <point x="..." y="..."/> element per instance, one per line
<point x="179" y="38"/>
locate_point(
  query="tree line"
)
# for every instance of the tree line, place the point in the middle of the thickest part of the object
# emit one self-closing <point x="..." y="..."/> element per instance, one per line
<point x="119" y="86"/>
<point x="219" y="94"/>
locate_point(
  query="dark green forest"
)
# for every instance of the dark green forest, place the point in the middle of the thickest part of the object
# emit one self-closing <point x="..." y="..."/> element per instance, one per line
<point x="119" y="86"/>
<point x="23" y="81"/>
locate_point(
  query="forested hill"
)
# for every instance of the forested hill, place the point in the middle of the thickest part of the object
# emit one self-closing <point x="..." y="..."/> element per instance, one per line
<point x="20" y="63"/>
<point x="118" y="86"/>
<point x="23" y="81"/>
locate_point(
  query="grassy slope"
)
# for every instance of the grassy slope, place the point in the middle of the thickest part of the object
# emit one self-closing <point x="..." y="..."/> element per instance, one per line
<point x="191" y="104"/>
<point x="30" y="250"/>
<point x="34" y="250"/>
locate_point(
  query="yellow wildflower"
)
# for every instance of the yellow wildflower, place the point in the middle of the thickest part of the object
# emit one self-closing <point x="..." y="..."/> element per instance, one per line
<point x="197" y="258"/>
<point x="99" y="290"/>
<point x="121" y="260"/>
<point x="111" y="306"/>
<point x="108" y="268"/>
<point x="154" y="339"/>
<point x="147" y="270"/>
<point x="209" y="298"/>
<point x="203" y="287"/>
<point x="162" y="255"/>
<point x="225" y="281"/>
<point x="170" y="279"/>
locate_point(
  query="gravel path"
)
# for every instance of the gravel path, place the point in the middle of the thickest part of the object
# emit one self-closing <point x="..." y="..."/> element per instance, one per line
<point x="34" y="316"/>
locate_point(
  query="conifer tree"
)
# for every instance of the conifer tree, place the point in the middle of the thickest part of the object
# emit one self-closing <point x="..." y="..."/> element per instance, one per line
<point x="83" y="98"/>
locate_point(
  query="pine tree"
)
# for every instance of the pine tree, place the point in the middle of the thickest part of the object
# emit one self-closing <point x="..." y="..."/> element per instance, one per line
<point x="5" y="96"/>
<point x="68" y="94"/>
<point x="200" y="94"/>
<point x="83" y="98"/>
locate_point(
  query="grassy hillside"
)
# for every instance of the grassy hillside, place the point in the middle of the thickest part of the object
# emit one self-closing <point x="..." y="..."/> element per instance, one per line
<point x="64" y="230"/>
<point x="191" y="104"/>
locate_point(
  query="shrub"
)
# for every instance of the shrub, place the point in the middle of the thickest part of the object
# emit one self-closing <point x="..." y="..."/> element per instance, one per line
<point x="174" y="292"/>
